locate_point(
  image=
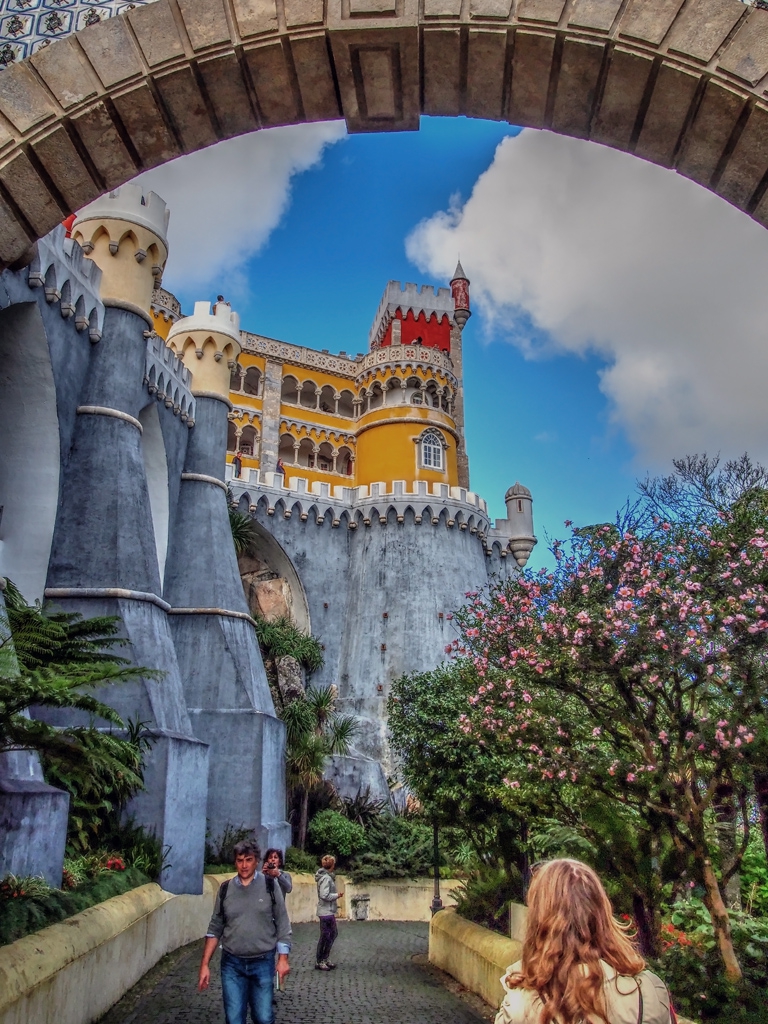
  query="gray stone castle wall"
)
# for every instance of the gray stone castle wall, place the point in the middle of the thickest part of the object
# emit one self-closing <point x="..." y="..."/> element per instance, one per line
<point x="128" y="535"/>
<point x="380" y="595"/>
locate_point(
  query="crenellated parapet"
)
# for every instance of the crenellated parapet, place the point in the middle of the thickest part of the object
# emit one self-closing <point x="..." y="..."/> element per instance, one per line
<point x="60" y="267"/>
<point x="422" y="301"/>
<point x="168" y="380"/>
<point x="208" y="343"/>
<point x="357" y="507"/>
<point x="125" y="233"/>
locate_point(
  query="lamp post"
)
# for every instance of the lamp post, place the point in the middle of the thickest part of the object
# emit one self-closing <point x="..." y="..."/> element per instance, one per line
<point x="437" y="903"/>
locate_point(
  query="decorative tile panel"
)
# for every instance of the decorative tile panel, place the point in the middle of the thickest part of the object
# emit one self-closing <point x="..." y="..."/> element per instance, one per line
<point x="28" y="25"/>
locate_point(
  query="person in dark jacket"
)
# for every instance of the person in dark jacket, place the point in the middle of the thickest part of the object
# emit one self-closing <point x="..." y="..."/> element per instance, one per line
<point x="273" y="868"/>
<point x="327" y="909"/>
<point x="250" y="920"/>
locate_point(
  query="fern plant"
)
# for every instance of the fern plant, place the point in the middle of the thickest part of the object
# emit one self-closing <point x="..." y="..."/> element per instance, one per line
<point x="54" y="661"/>
<point x="280" y="638"/>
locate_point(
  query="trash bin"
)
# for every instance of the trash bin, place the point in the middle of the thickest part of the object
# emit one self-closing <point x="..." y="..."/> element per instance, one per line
<point x="360" y="906"/>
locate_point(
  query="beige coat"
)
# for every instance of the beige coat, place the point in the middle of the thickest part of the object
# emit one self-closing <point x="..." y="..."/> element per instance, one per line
<point x="522" y="1006"/>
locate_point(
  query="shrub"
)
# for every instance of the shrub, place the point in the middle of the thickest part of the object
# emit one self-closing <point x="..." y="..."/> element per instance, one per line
<point x="331" y="832"/>
<point x="298" y="860"/>
<point x="27" y="905"/>
<point x="396" y="847"/>
<point x="691" y="966"/>
<point x="486" y="895"/>
<point x="754" y="877"/>
<point x="220" y="850"/>
<point x="140" y="849"/>
<point x="362" y="808"/>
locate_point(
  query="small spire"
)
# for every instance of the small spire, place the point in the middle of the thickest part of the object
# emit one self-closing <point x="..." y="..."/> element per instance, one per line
<point x="459" y="274"/>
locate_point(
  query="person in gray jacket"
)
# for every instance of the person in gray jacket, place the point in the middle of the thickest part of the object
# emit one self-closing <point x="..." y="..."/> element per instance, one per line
<point x="250" y="920"/>
<point x="327" y="908"/>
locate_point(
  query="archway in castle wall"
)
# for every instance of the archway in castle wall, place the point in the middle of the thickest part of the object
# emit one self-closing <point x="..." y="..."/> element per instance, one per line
<point x="681" y="83"/>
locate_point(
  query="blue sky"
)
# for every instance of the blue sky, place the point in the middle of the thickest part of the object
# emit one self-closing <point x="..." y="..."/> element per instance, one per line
<point x="592" y="355"/>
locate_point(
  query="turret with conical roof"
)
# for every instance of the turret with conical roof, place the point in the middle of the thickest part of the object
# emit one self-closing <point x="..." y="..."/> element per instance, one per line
<point x="460" y="292"/>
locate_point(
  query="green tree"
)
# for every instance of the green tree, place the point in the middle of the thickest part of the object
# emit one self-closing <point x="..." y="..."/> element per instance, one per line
<point x="467" y="782"/>
<point x="636" y="669"/>
<point x="315" y="731"/>
<point x="458" y="780"/>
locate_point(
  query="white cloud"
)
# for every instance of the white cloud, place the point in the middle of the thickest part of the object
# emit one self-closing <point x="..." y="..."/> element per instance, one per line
<point x="608" y="254"/>
<point x="225" y="201"/>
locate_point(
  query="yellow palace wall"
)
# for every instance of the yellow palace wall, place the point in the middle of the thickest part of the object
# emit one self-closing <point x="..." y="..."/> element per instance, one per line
<point x="383" y="441"/>
<point x="387" y="446"/>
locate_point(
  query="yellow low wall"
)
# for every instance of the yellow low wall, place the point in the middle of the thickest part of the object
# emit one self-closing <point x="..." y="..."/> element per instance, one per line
<point x="397" y="900"/>
<point x="475" y="956"/>
<point x="72" y="972"/>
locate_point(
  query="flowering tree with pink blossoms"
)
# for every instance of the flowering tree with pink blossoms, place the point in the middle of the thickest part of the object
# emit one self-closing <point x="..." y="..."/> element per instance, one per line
<point x="637" y="668"/>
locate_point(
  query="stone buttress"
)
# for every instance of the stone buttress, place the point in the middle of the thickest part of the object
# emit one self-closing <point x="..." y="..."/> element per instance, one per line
<point x="224" y="679"/>
<point x="104" y="558"/>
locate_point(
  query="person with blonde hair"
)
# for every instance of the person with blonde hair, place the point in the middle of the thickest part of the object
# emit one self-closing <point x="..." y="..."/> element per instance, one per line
<point x="578" y="965"/>
<point x="327" y="909"/>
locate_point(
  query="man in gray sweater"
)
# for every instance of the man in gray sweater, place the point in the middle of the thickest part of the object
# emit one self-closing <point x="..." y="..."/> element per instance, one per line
<point x="250" y="920"/>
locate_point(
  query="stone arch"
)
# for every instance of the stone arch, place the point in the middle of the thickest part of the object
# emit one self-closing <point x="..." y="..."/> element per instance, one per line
<point x="249" y="441"/>
<point x="306" y="456"/>
<point x="327" y="399"/>
<point x="285" y="450"/>
<point x="678" y="84"/>
<point x="346" y="403"/>
<point x="270" y="580"/>
<point x="344" y="460"/>
<point x="308" y="395"/>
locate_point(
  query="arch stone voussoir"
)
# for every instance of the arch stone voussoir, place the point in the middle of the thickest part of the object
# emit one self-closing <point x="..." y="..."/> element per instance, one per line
<point x="682" y="84"/>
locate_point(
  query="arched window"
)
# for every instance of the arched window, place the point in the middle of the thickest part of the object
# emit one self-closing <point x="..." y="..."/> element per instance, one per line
<point x="289" y="392"/>
<point x="249" y="441"/>
<point x="432" y="450"/>
<point x="231" y="437"/>
<point x="251" y="381"/>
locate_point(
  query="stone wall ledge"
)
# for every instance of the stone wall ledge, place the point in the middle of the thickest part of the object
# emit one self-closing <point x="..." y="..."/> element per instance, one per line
<point x="72" y="972"/>
<point x="475" y="956"/>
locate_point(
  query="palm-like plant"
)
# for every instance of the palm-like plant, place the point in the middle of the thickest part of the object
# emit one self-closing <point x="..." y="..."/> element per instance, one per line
<point x="314" y="731"/>
<point x="53" y="660"/>
<point x="242" y="526"/>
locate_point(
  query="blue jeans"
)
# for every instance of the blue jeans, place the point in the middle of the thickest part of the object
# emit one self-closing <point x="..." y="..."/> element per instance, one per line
<point x="247" y="983"/>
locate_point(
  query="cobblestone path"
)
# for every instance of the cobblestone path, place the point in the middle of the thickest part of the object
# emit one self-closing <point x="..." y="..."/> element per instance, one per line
<point x="376" y="982"/>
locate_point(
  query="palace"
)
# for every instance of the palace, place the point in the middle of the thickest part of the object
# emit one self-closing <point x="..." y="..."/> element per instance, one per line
<point x="393" y="413"/>
<point x="353" y="470"/>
